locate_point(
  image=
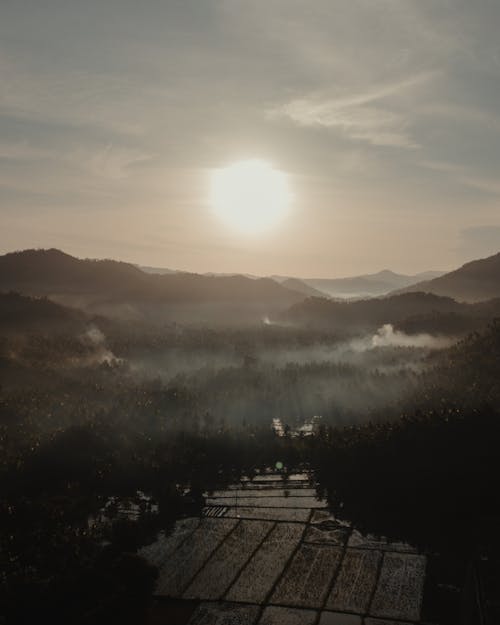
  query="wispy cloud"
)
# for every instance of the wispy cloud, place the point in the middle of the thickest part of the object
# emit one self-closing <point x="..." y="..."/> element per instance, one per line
<point x="365" y="123"/>
<point x="366" y="116"/>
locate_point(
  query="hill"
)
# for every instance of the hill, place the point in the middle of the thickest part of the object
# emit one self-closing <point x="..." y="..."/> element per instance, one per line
<point x="160" y="270"/>
<point x="299" y="286"/>
<point x="410" y="312"/>
<point x="43" y="272"/>
<point x="19" y="313"/>
<point x="120" y="289"/>
<point x="370" y="285"/>
<point x="476" y="281"/>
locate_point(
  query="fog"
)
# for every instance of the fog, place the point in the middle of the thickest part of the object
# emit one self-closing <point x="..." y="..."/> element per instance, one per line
<point x="387" y="336"/>
<point x="235" y="376"/>
<point x="370" y="352"/>
<point x="240" y="380"/>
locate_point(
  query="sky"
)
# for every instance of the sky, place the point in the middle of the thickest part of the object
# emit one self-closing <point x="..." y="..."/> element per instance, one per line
<point x="384" y="116"/>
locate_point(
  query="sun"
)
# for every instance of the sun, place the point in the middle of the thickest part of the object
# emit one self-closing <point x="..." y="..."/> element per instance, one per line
<point x="250" y="196"/>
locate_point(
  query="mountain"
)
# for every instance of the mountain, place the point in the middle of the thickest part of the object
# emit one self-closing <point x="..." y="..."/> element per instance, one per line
<point x="411" y="312"/>
<point x="367" y="314"/>
<point x="476" y="281"/>
<point x="427" y="275"/>
<point x="370" y="285"/>
<point x="44" y="272"/>
<point x="160" y="270"/>
<point x="211" y="274"/>
<point x="20" y="313"/>
<point x="300" y="286"/>
<point x="121" y="289"/>
<point x="469" y="318"/>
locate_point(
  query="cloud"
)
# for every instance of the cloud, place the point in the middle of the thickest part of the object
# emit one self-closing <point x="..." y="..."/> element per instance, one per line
<point x="366" y="116"/>
<point x="364" y="123"/>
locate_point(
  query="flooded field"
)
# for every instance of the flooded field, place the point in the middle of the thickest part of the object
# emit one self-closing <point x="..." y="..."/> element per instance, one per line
<point x="268" y="552"/>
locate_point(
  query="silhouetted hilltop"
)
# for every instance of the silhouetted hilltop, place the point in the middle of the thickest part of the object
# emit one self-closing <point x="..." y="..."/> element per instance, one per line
<point x="476" y="281"/>
<point x="160" y="270"/>
<point x="412" y="312"/>
<point x="45" y="271"/>
<point x="117" y="288"/>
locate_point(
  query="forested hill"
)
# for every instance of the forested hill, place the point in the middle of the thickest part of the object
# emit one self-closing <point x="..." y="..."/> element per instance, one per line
<point x="411" y="312"/>
<point x="20" y="314"/>
<point x="111" y="287"/>
<point x="476" y="281"/>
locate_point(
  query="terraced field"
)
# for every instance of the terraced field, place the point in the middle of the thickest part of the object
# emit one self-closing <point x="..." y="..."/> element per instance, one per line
<point x="268" y="552"/>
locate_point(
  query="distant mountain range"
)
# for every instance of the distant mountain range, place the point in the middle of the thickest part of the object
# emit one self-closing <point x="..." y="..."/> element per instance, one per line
<point x="209" y="274"/>
<point x="118" y="289"/>
<point x="476" y="281"/>
<point x="453" y="303"/>
<point x="121" y="289"/>
<point x="366" y="314"/>
<point x="370" y="285"/>
<point x="411" y="312"/>
<point x="301" y="286"/>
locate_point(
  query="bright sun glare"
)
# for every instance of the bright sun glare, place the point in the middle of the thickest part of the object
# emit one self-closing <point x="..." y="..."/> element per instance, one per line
<point x="250" y="196"/>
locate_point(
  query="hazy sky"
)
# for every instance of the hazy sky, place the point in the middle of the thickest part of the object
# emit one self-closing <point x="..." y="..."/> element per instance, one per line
<point x="385" y="115"/>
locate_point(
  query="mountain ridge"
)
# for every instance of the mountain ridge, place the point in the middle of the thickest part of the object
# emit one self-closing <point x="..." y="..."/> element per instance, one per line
<point x="367" y="285"/>
<point x="113" y="288"/>
<point x="414" y="312"/>
<point x="475" y="281"/>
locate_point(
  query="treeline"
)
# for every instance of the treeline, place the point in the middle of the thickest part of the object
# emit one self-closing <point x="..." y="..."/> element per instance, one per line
<point x="57" y="566"/>
<point x="432" y="476"/>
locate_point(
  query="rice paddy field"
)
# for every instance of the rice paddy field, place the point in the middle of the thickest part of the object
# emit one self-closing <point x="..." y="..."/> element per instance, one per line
<point x="268" y="552"/>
